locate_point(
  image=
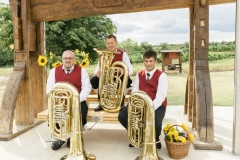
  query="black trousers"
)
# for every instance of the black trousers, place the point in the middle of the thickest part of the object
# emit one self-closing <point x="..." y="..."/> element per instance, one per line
<point x="159" y="115"/>
<point x="84" y="109"/>
<point x="95" y="82"/>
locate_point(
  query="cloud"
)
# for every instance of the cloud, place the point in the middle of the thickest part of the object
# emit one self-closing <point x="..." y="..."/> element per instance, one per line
<point x="222" y="18"/>
<point x="172" y="26"/>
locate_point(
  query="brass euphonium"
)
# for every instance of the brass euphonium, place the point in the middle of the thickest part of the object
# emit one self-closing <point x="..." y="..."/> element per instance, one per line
<point x="65" y="118"/>
<point x="111" y="87"/>
<point x="141" y="125"/>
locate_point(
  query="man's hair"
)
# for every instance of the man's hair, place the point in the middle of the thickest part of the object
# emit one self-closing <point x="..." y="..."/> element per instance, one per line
<point x="111" y="36"/>
<point x="149" y="54"/>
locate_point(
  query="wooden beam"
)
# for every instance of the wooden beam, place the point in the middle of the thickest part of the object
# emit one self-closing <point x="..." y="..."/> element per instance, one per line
<point x="9" y="98"/>
<point x="45" y="10"/>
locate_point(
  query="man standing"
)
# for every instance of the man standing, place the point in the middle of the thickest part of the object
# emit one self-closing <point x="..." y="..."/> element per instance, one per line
<point x="154" y="82"/>
<point x="77" y="76"/>
<point x="111" y="43"/>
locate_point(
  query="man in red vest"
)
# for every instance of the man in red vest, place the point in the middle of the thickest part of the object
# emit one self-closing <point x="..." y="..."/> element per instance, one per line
<point x="111" y="43"/>
<point x="155" y="83"/>
<point x="77" y="76"/>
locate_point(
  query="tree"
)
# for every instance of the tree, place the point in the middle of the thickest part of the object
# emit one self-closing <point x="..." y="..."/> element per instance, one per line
<point x="164" y="46"/>
<point x="6" y="35"/>
<point x="79" y="33"/>
<point x="146" y="46"/>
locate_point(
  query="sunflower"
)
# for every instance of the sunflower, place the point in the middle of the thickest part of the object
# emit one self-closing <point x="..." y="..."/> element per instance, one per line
<point x="84" y="63"/>
<point x="86" y="56"/>
<point x="56" y="64"/>
<point x="51" y="55"/>
<point x="42" y="60"/>
<point x="76" y="51"/>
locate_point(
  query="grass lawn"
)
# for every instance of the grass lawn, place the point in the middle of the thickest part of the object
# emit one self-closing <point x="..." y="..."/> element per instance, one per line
<point x="221" y="74"/>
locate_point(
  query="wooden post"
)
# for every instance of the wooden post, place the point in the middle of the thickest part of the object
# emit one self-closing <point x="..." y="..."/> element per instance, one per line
<point x="188" y="109"/>
<point x="203" y="90"/>
<point x="204" y="108"/>
<point x="24" y="106"/>
<point x="38" y="74"/>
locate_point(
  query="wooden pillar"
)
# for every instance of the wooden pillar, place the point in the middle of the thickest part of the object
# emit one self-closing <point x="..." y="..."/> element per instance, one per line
<point x="38" y="73"/>
<point x="204" y="106"/>
<point x="24" y="109"/>
<point x="189" y="97"/>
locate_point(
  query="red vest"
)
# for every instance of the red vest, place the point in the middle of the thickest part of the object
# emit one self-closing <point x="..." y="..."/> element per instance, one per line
<point x="150" y="87"/>
<point x="74" y="77"/>
<point x="118" y="57"/>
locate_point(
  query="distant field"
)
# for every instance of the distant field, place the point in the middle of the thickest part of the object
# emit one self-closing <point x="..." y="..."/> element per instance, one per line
<point x="222" y="82"/>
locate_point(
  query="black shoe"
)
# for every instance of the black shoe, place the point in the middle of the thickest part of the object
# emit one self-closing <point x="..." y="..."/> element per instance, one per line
<point x="98" y="108"/>
<point x="131" y="146"/>
<point x="68" y="142"/>
<point x="57" y="144"/>
<point x="159" y="146"/>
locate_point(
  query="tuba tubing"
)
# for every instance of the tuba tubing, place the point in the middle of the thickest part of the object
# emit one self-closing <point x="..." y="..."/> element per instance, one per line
<point x="65" y="118"/>
<point x="111" y="87"/>
<point x="141" y="125"/>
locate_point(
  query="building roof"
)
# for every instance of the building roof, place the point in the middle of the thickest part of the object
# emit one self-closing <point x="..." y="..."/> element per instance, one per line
<point x="166" y="51"/>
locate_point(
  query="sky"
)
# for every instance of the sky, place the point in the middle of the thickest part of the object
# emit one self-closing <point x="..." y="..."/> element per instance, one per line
<point x="172" y="26"/>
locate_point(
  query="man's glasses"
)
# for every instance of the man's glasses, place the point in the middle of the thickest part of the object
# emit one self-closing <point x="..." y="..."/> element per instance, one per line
<point x="67" y="58"/>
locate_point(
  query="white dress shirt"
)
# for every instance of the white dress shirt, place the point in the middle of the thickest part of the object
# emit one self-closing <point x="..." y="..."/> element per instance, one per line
<point x="85" y="88"/>
<point x="161" y="89"/>
<point x="125" y="60"/>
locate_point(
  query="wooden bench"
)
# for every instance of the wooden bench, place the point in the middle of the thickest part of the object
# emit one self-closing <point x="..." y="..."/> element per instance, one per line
<point x="92" y="116"/>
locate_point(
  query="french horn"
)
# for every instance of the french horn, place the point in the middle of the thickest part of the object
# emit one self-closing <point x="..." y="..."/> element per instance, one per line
<point x="111" y="87"/>
<point x="141" y="125"/>
<point x="65" y="118"/>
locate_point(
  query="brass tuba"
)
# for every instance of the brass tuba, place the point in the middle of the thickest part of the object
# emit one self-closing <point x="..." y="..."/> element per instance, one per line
<point x="141" y="125"/>
<point x="111" y="87"/>
<point x="65" y="117"/>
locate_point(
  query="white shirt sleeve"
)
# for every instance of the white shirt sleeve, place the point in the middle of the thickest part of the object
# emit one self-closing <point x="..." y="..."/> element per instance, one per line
<point x="126" y="61"/>
<point x="86" y="85"/>
<point x="51" y="80"/>
<point x="135" y="86"/>
<point x="96" y="69"/>
<point x="161" y="91"/>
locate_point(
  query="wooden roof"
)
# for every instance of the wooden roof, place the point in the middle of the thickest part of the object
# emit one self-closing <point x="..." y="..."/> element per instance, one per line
<point x="45" y="10"/>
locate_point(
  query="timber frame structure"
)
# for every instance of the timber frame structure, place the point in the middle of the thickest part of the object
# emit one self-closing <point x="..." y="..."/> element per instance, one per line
<point x="25" y="94"/>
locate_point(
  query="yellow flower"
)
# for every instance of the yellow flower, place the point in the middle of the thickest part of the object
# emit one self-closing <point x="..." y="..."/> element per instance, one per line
<point x="175" y="133"/>
<point x="191" y="136"/>
<point x="42" y="60"/>
<point x="76" y="51"/>
<point x="55" y="64"/>
<point x="183" y="139"/>
<point x="85" y="63"/>
<point x="75" y="61"/>
<point x="51" y="55"/>
<point x="172" y="129"/>
<point x="184" y="127"/>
